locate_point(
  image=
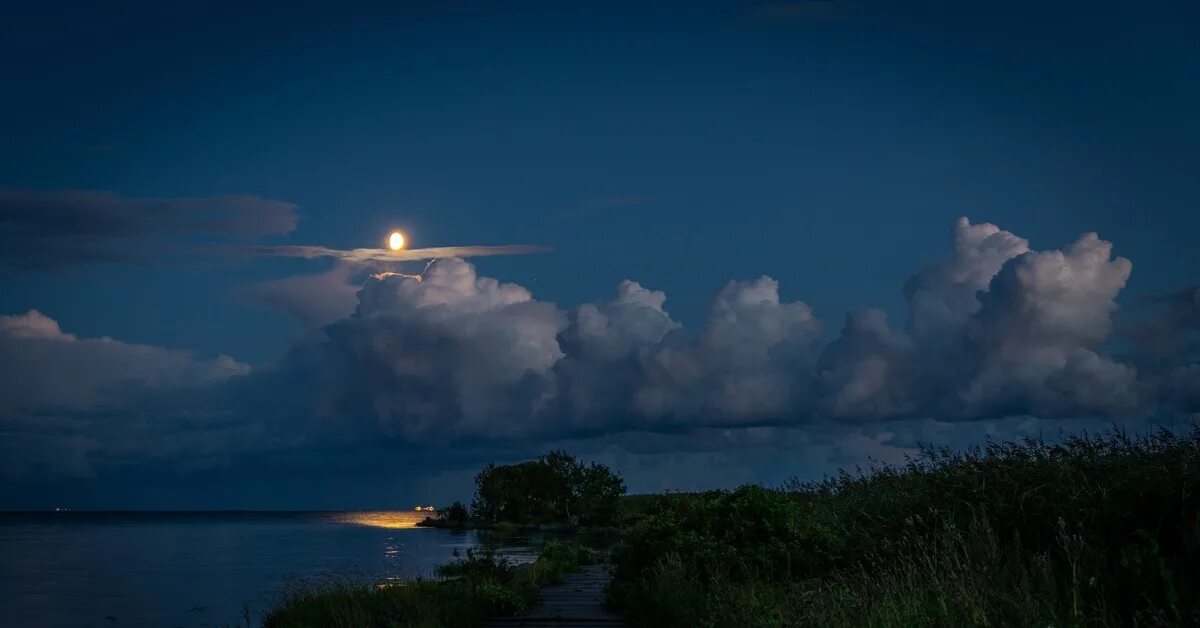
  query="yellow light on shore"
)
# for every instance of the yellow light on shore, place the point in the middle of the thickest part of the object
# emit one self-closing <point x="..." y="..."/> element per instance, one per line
<point x="396" y="241"/>
<point x="393" y="520"/>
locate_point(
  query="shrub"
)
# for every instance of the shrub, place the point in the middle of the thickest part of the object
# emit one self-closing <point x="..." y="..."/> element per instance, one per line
<point x="1097" y="530"/>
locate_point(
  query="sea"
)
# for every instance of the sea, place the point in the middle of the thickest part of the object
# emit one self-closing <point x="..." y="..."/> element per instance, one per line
<point x="207" y="569"/>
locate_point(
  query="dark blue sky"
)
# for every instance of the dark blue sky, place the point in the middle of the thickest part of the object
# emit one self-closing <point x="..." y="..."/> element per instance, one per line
<point x="828" y="144"/>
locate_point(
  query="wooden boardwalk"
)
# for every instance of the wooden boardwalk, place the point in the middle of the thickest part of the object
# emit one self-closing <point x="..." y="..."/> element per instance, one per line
<point x="578" y="602"/>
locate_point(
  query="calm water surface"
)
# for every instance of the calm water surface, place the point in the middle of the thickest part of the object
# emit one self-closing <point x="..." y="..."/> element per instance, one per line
<point x="78" y="570"/>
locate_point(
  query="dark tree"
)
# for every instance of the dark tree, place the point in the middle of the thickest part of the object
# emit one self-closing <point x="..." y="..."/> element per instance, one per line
<point x="600" y="492"/>
<point x="555" y="488"/>
<point x="455" y="513"/>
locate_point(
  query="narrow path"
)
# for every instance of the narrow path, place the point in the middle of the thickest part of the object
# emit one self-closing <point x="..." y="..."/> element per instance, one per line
<point x="577" y="602"/>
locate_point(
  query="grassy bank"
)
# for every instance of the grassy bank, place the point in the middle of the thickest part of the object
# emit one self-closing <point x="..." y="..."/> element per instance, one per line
<point x="1097" y="531"/>
<point x="467" y="591"/>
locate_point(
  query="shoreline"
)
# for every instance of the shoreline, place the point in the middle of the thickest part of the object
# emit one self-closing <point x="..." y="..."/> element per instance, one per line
<point x="511" y="527"/>
<point x="466" y="591"/>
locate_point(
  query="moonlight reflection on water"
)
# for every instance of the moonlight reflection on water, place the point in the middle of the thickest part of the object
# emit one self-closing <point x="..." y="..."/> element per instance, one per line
<point x="391" y="519"/>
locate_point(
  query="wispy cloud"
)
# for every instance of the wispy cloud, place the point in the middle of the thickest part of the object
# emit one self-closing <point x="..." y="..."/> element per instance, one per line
<point x="313" y="300"/>
<point x="364" y="256"/>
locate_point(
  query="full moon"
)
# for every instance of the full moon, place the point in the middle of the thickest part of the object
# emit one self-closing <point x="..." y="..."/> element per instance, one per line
<point x="396" y="241"/>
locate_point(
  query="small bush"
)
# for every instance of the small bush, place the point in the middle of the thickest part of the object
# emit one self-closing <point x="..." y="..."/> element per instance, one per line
<point x="557" y="558"/>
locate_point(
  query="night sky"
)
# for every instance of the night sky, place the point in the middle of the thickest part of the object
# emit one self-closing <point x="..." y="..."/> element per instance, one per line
<point x="786" y="183"/>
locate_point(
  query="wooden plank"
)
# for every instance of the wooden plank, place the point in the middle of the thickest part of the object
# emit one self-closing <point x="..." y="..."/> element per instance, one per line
<point x="578" y="602"/>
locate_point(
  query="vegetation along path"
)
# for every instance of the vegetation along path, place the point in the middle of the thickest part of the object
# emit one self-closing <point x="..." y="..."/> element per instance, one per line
<point x="577" y="602"/>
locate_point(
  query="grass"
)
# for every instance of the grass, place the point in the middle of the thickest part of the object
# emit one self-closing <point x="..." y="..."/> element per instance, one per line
<point x="468" y="590"/>
<point x="1100" y="530"/>
<point x="636" y="506"/>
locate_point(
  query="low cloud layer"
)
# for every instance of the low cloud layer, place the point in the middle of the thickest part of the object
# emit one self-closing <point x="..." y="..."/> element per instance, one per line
<point x="70" y="402"/>
<point x="995" y="333"/>
<point x="49" y="229"/>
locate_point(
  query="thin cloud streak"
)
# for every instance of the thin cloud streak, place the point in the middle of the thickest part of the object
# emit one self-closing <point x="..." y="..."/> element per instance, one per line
<point x="363" y="256"/>
<point x="55" y="229"/>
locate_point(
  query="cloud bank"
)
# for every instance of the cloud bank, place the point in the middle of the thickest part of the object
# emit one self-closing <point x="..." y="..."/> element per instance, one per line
<point x="68" y="403"/>
<point x="994" y="332"/>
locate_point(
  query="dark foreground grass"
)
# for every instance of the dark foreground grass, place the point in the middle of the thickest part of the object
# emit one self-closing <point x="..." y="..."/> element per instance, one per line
<point x="1097" y="531"/>
<point x="467" y="591"/>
